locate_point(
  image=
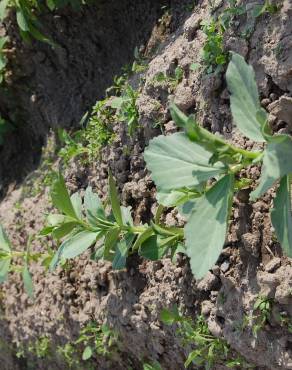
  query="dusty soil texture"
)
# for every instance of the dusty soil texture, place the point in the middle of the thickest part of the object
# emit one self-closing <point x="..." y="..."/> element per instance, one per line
<point x="130" y="301"/>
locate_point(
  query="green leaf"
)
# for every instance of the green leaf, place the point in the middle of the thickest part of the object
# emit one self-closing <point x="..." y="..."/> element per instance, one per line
<point x="63" y="230"/>
<point x="178" y="116"/>
<point x="142" y="238"/>
<point x="27" y="281"/>
<point x="39" y="36"/>
<point x="55" y="219"/>
<point x="205" y="231"/>
<point x="276" y="163"/>
<point x="175" y="197"/>
<point x="191" y="357"/>
<point x="93" y="206"/>
<point x="4" y="241"/>
<point x="281" y="215"/>
<point x="87" y="353"/>
<point x="78" y="244"/>
<point x="51" y="4"/>
<point x="123" y="246"/>
<point x="117" y="103"/>
<point x="176" y="162"/>
<point x="114" y="198"/>
<point x="74" y="246"/>
<point x="21" y="20"/>
<point x="3" y="9"/>
<point x="4" y="268"/>
<point x="169" y="317"/>
<point x="46" y="230"/>
<point x="110" y="243"/>
<point x="77" y="204"/>
<point x="245" y="104"/>
<point x="60" y="197"/>
<point x="126" y="216"/>
<point x="153" y="366"/>
<point x="155" y="247"/>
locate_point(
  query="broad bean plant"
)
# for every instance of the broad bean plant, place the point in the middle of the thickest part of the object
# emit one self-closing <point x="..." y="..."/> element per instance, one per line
<point x="194" y="171"/>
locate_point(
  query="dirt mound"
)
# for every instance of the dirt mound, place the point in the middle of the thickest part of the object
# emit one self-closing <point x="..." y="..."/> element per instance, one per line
<point x="251" y="265"/>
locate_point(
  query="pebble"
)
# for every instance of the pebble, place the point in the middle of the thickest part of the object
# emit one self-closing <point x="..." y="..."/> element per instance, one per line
<point x="225" y="266"/>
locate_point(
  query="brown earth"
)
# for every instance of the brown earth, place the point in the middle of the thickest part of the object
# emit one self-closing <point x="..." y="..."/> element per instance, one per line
<point x="130" y="301"/>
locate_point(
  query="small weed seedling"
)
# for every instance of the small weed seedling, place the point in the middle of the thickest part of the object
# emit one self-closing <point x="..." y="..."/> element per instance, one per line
<point x="41" y="348"/>
<point x="208" y="350"/>
<point x="263" y="309"/>
<point x="94" y="341"/>
<point x="171" y="81"/>
<point x="126" y="108"/>
<point x="152" y="366"/>
<point x="213" y="55"/>
<point x="87" y="142"/>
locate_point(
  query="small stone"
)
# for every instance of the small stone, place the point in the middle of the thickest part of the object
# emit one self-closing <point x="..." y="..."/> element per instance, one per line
<point x="206" y="307"/>
<point x="184" y="97"/>
<point x="214" y="328"/>
<point x="265" y="102"/>
<point x="273" y="264"/>
<point x="273" y="96"/>
<point x="225" y="266"/>
<point x="216" y="270"/>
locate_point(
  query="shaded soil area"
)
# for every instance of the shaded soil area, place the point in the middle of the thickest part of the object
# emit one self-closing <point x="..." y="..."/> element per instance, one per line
<point x="53" y="87"/>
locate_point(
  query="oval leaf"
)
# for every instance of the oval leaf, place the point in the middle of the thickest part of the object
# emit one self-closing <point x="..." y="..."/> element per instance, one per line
<point x="281" y="216"/>
<point x="176" y="162"/>
<point x="245" y="103"/>
<point x="93" y="206"/>
<point x="77" y="204"/>
<point x="155" y="247"/>
<point x="63" y="230"/>
<point x="78" y="244"/>
<point x="21" y="20"/>
<point x="87" y="353"/>
<point x="73" y="246"/>
<point x="27" y="281"/>
<point x="3" y="9"/>
<point x="4" y="241"/>
<point x="276" y="163"/>
<point x="60" y="197"/>
<point x="114" y="198"/>
<point x="110" y="243"/>
<point x="123" y="246"/>
<point x="4" y="268"/>
<point x="205" y="231"/>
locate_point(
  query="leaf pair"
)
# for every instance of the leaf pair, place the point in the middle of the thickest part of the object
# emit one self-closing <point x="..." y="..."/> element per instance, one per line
<point x="176" y="162"/>
<point x="79" y="232"/>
